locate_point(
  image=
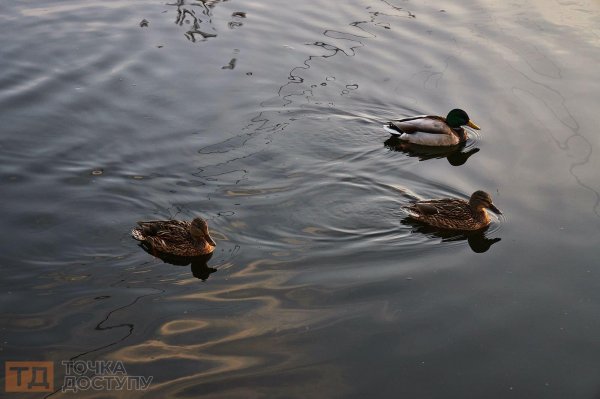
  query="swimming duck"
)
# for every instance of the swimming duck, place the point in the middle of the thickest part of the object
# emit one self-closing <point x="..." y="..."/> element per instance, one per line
<point x="453" y="213"/>
<point x="433" y="130"/>
<point x="175" y="237"/>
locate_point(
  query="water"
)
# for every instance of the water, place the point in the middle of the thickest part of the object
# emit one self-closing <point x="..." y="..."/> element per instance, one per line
<point x="265" y="118"/>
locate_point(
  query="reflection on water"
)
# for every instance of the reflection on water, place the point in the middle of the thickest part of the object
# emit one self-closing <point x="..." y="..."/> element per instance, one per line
<point x="198" y="264"/>
<point x="196" y="15"/>
<point x="454" y="154"/>
<point x="271" y="124"/>
<point x="477" y="240"/>
<point x="231" y="64"/>
<point x="208" y="346"/>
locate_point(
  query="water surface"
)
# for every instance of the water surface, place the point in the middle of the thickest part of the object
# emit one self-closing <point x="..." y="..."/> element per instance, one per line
<point x="265" y="118"/>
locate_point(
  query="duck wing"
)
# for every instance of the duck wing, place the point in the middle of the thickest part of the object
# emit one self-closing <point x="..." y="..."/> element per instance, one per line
<point x="426" y="209"/>
<point x="424" y="123"/>
<point x="161" y="230"/>
<point x="446" y="208"/>
<point x="168" y="237"/>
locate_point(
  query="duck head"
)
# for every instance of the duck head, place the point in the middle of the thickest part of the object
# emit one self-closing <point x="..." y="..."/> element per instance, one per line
<point x="457" y="118"/>
<point x="482" y="200"/>
<point x="199" y="231"/>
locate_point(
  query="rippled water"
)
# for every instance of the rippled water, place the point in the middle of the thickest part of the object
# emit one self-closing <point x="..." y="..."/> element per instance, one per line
<point x="265" y="118"/>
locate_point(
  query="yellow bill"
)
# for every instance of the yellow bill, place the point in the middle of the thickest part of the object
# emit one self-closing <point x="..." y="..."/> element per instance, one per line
<point x="472" y="125"/>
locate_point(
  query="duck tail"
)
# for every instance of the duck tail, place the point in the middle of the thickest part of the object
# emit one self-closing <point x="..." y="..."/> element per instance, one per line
<point x="390" y="128"/>
<point x="411" y="210"/>
<point x="137" y="234"/>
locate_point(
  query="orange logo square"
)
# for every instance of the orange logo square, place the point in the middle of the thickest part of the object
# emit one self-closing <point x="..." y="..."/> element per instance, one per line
<point x="29" y="376"/>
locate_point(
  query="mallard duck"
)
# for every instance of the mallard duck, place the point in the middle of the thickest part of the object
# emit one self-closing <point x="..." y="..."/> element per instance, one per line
<point x="433" y="130"/>
<point x="453" y="213"/>
<point x="175" y="237"/>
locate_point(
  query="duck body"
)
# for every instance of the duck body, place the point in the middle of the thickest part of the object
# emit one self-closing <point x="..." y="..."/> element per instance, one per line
<point x="454" y="153"/>
<point x="432" y="130"/>
<point x="453" y="213"/>
<point x="175" y="237"/>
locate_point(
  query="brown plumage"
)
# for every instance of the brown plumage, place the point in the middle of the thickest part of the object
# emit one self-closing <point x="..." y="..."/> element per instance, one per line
<point x="455" y="214"/>
<point x="175" y="237"/>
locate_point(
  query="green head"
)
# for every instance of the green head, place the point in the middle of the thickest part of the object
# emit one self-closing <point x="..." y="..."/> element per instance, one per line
<point x="481" y="199"/>
<point x="457" y="118"/>
<point x="199" y="231"/>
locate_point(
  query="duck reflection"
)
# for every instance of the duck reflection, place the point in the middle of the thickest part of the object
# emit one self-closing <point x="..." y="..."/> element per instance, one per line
<point x="478" y="242"/>
<point x="197" y="13"/>
<point x="198" y="264"/>
<point x="453" y="154"/>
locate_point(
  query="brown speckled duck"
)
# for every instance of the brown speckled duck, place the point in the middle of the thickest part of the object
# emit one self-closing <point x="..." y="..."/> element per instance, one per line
<point x="433" y="130"/>
<point x="453" y="213"/>
<point x="175" y="237"/>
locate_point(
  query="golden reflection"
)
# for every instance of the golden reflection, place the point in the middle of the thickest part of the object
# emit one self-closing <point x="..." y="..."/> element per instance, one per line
<point x="321" y="380"/>
<point x="272" y="308"/>
<point x="27" y="323"/>
<point x="218" y="235"/>
<point x="50" y="317"/>
<point x="154" y="350"/>
<point x="182" y="326"/>
<point x="314" y="230"/>
<point x="295" y="241"/>
<point x="280" y="254"/>
<point x="238" y="224"/>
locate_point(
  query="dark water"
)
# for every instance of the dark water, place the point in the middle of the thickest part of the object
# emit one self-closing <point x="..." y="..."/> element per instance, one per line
<point x="265" y="118"/>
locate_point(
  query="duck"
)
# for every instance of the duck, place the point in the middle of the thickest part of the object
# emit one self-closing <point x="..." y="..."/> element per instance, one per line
<point x="433" y="130"/>
<point x="454" y="213"/>
<point x="175" y="237"/>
